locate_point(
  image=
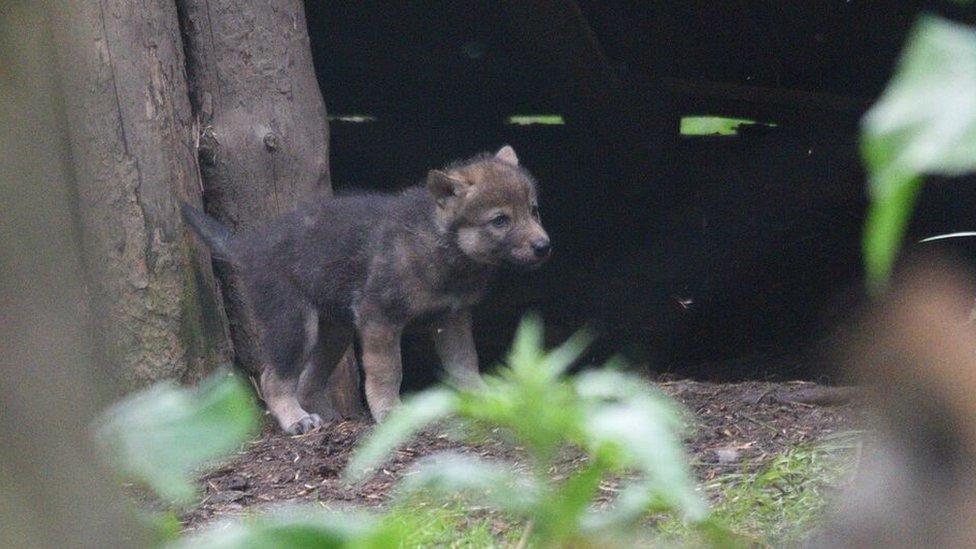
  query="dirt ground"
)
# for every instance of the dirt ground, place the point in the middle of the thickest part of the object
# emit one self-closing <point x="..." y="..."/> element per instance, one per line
<point x="739" y="426"/>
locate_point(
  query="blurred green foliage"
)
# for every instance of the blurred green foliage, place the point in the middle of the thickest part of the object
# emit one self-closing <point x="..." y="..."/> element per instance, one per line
<point x="923" y="124"/>
<point x="619" y="424"/>
<point x="161" y="436"/>
<point x="623" y="427"/>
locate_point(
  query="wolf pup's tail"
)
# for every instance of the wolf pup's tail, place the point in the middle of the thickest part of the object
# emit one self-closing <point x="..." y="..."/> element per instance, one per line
<point x="214" y="234"/>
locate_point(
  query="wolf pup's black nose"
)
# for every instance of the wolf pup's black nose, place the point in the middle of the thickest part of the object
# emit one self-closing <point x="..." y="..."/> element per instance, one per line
<point x="541" y="247"/>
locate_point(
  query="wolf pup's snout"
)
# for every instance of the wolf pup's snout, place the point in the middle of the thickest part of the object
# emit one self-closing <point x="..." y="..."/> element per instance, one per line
<point x="533" y="246"/>
<point x="542" y="247"/>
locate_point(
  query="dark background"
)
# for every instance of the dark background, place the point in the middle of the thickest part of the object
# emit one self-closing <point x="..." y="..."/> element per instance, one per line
<point x="713" y="257"/>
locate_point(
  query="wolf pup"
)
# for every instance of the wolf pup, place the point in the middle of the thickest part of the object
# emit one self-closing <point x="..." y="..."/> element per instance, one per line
<point x="373" y="263"/>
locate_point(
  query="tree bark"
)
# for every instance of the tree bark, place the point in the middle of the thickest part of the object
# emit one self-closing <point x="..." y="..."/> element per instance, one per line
<point x="264" y="137"/>
<point x="131" y="136"/>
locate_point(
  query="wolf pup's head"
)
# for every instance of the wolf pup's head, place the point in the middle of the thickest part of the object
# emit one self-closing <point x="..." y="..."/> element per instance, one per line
<point x="490" y="206"/>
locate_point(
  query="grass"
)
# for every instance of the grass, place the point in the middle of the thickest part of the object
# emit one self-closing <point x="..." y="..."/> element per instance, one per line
<point x="450" y="525"/>
<point x="785" y="500"/>
<point x="778" y="505"/>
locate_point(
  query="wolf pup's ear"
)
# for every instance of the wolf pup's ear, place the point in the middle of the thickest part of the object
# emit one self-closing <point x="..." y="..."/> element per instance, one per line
<point x="507" y="154"/>
<point x="444" y="186"/>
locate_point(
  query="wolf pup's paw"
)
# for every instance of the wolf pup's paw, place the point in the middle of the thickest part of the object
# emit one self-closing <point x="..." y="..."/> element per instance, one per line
<point x="472" y="383"/>
<point x="328" y="416"/>
<point x="304" y="425"/>
<point x="380" y="411"/>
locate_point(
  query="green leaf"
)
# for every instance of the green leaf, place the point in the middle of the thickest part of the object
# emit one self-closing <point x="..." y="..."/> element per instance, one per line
<point x="451" y="473"/>
<point x="293" y="528"/>
<point x="527" y="349"/>
<point x="161" y="435"/>
<point x="560" y="513"/>
<point x="609" y="385"/>
<point x="606" y="384"/>
<point x="884" y="230"/>
<point x="559" y="359"/>
<point x="643" y="430"/>
<point x="402" y="423"/>
<point x="631" y="420"/>
<point x="161" y="527"/>
<point x="631" y="505"/>
<point x="924" y="123"/>
<point x="927" y="114"/>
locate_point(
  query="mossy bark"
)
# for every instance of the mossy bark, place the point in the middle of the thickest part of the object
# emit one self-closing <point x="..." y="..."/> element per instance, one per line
<point x="133" y="143"/>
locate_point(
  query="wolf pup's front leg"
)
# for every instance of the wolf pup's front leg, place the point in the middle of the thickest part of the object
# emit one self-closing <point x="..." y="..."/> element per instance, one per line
<point x="455" y="347"/>
<point x="381" y="366"/>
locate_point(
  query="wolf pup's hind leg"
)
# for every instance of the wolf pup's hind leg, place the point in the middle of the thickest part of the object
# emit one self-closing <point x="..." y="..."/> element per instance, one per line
<point x="289" y="339"/>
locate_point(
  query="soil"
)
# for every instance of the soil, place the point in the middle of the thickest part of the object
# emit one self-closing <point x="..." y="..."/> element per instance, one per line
<point x="739" y="427"/>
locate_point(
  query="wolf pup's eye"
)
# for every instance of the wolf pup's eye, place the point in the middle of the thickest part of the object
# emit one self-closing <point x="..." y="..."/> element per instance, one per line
<point x="500" y="221"/>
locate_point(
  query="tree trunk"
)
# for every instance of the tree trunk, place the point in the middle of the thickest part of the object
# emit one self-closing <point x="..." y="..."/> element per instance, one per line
<point x="264" y="138"/>
<point x="132" y="144"/>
